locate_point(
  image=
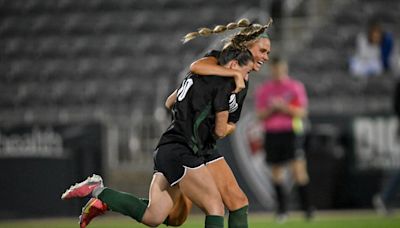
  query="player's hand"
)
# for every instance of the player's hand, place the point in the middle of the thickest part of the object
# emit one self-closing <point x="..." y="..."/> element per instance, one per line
<point x="239" y="81"/>
<point x="231" y="128"/>
<point x="279" y="105"/>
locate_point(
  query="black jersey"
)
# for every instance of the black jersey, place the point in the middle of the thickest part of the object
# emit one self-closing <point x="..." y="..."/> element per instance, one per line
<point x="235" y="100"/>
<point x="199" y="98"/>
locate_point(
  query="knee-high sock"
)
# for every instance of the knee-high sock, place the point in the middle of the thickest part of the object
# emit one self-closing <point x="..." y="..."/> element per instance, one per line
<point x="304" y="197"/>
<point x="281" y="198"/>
<point x="145" y="200"/>
<point x="214" y="221"/>
<point x="238" y="218"/>
<point x="123" y="203"/>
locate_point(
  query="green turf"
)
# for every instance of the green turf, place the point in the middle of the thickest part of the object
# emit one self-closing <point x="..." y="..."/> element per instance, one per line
<point x="324" y="220"/>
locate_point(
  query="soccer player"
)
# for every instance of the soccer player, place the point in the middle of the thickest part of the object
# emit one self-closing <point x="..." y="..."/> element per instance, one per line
<point x="255" y="38"/>
<point x="281" y="103"/>
<point x="200" y="117"/>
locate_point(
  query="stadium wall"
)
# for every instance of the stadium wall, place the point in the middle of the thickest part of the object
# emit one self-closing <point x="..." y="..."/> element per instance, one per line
<point x="38" y="161"/>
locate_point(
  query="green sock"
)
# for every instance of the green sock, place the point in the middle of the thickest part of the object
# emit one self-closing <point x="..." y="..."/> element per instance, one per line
<point x="238" y="218"/>
<point x="123" y="203"/>
<point x="144" y="200"/>
<point x="214" y="221"/>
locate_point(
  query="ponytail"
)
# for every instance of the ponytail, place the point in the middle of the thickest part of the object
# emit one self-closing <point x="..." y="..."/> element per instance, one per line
<point x="251" y="33"/>
<point x="242" y="23"/>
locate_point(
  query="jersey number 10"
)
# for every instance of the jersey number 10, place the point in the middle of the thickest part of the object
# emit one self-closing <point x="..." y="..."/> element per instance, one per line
<point x="186" y="84"/>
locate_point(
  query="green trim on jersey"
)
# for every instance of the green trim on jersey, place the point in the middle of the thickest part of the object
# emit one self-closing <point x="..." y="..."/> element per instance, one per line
<point x="197" y="122"/>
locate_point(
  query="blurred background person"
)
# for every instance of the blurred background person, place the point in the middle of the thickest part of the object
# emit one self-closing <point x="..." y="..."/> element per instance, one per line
<point x="382" y="201"/>
<point x="281" y="104"/>
<point x="374" y="51"/>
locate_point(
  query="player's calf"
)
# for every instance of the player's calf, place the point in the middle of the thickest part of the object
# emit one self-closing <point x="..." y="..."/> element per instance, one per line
<point x="179" y="212"/>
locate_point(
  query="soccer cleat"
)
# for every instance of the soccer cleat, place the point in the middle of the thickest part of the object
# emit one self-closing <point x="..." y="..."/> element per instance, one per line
<point x="93" y="208"/>
<point x="84" y="188"/>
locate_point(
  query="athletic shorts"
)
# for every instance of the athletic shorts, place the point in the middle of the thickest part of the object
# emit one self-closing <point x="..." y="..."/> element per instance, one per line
<point x="283" y="147"/>
<point x="173" y="160"/>
<point x="214" y="156"/>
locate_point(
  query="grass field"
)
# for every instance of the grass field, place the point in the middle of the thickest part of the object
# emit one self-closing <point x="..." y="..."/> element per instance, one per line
<point x="343" y="219"/>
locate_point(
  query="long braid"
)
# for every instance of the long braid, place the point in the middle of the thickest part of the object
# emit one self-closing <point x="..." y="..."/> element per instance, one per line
<point x="242" y="23"/>
<point x="248" y="34"/>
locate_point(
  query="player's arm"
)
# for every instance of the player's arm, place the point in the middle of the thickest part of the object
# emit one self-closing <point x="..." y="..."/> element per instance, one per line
<point x="209" y="66"/>
<point x="294" y="111"/>
<point x="282" y="107"/>
<point x="171" y="100"/>
<point x="265" y="113"/>
<point x="298" y="107"/>
<point x="222" y="127"/>
<point x="263" y="109"/>
<point x="231" y="128"/>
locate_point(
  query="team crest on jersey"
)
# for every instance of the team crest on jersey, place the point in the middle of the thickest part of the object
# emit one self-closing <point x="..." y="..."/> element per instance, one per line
<point x="233" y="105"/>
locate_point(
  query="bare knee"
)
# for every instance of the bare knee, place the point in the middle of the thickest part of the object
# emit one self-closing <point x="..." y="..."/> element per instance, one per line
<point x="299" y="171"/>
<point x="178" y="220"/>
<point x="234" y="198"/>
<point x="153" y="219"/>
<point x="214" y="206"/>
<point x="301" y="178"/>
<point x="277" y="172"/>
<point x="180" y="212"/>
<point x="154" y="222"/>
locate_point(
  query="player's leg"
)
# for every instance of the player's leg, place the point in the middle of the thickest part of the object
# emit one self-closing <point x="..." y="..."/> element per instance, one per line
<point x="161" y="197"/>
<point x="382" y="200"/>
<point x="298" y="167"/>
<point x="124" y="203"/>
<point x="276" y="148"/>
<point x="299" y="170"/>
<point x="277" y="173"/>
<point x="232" y="195"/>
<point x="194" y="180"/>
<point x="300" y="175"/>
<point x="180" y="211"/>
<point x="199" y="186"/>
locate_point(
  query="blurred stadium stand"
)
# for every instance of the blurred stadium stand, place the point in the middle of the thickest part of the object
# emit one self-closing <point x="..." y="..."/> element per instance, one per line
<point x="322" y="63"/>
<point x="97" y="53"/>
<point x="103" y="54"/>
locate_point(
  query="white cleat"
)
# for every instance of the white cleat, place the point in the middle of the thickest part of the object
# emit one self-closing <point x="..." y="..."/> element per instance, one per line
<point x="83" y="188"/>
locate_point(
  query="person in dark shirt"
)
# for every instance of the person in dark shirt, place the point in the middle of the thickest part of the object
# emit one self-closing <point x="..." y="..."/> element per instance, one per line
<point x="255" y="38"/>
<point x="200" y="117"/>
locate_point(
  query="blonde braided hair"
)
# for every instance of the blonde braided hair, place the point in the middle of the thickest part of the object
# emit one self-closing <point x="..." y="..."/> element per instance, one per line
<point x="249" y="33"/>
<point x="242" y="23"/>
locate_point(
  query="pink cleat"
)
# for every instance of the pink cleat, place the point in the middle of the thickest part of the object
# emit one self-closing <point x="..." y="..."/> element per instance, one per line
<point x="84" y="188"/>
<point x="93" y="208"/>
